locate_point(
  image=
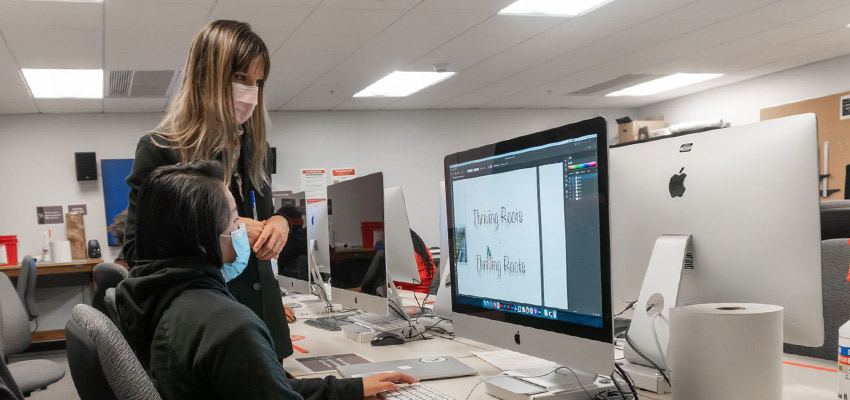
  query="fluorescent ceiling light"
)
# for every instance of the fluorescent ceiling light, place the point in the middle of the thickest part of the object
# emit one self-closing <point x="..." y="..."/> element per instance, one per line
<point x="558" y="8"/>
<point x="65" y="83"/>
<point x="403" y="83"/>
<point x="664" y="84"/>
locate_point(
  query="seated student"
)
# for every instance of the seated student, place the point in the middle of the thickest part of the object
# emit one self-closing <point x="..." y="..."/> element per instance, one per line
<point x="190" y="334"/>
<point x="425" y="264"/>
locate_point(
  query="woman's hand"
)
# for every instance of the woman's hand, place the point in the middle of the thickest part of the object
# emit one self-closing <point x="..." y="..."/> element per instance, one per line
<point x="290" y="315"/>
<point x="378" y="383"/>
<point x="253" y="227"/>
<point x="271" y="240"/>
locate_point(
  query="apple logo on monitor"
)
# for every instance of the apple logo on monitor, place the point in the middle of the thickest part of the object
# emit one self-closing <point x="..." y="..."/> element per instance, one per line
<point x="677" y="184"/>
<point x="517" y="338"/>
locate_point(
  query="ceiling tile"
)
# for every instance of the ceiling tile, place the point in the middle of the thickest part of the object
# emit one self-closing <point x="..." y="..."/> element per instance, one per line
<point x="116" y="105"/>
<point x="365" y="104"/>
<point x="304" y="103"/>
<point x="263" y="18"/>
<point x="280" y="3"/>
<point x="70" y="105"/>
<point x="328" y="21"/>
<point x="641" y="9"/>
<point x="165" y="17"/>
<point x="360" y="71"/>
<point x="485" y="6"/>
<point x="150" y="41"/>
<point x="50" y="15"/>
<point x="301" y="69"/>
<point x="133" y="60"/>
<point x="492" y="36"/>
<point x="22" y="106"/>
<point x="6" y="60"/>
<point x="419" y="32"/>
<point x="314" y="45"/>
<point x="278" y="94"/>
<point x="173" y="1"/>
<point x="790" y="10"/>
<point x="371" y="4"/>
<point x="835" y="18"/>
<point x="715" y="10"/>
<point x="13" y="85"/>
<point x="48" y="48"/>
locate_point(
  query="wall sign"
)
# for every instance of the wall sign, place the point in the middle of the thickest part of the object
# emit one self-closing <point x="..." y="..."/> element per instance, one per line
<point x="343" y="174"/>
<point x="845" y="107"/>
<point x="77" y="208"/>
<point x="50" y="215"/>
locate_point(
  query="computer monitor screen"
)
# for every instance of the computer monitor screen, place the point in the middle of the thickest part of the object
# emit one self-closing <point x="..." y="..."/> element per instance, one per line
<point x="528" y="226"/>
<point x="292" y="261"/>
<point x="357" y="243"/>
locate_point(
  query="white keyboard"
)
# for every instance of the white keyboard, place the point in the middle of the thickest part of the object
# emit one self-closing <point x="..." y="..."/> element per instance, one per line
<point x="380" y="323"/>
<point x="416" y="391"/>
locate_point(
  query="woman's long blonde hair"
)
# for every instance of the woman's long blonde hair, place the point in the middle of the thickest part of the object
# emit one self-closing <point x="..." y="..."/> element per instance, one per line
<point x="200" y="120"/>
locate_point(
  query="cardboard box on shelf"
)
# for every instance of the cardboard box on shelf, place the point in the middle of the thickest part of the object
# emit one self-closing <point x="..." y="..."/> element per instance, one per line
<point x="76" y="235"/>
<point x="630" y="131"/>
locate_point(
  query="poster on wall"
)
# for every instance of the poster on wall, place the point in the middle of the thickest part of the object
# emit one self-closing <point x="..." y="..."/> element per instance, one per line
<point x="845" y="107"/>
<point x="314" y="183"/>
<point x="278" y="195"/>
<point x="343" y="174"/>
<point x="49" y="215"/>
<point x="115" y="192"/>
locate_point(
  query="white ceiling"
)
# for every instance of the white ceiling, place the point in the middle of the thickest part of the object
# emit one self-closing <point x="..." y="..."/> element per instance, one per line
<point x="324" y="51"/>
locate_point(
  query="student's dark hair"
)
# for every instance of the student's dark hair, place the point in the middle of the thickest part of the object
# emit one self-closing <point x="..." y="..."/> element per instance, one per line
<point x="182" y="210"/>
<point x="420" y="248"/>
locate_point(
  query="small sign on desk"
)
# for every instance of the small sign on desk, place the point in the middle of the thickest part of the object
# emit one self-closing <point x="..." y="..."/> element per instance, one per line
<point x="77" y="208"/>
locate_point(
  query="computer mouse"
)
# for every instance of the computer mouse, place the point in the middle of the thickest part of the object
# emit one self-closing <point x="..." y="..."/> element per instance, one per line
<point x="387" y="339"/>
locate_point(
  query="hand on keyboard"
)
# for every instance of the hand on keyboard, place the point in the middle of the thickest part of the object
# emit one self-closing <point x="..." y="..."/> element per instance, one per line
<point x="378" y="383"/>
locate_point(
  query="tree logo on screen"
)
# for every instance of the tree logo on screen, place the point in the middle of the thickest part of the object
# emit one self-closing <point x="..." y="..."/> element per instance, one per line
<point x="496" y="219"/>
<point x="677" y="184"/>
<point x="489" y="265"/>
<point x="517" y="338"/>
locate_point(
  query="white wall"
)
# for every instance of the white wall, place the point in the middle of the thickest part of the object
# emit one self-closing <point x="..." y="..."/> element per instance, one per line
<point x="740" y="103"/>
<point x="37" y="156"/>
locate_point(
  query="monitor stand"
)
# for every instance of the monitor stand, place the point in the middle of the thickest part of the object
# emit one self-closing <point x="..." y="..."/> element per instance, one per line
<point x="650" y="327"/>
<point x="543" y="383"/>
<point x="314" y="277"/>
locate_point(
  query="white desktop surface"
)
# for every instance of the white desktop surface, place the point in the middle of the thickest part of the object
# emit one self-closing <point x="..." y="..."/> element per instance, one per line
<point x="800" y="382"/>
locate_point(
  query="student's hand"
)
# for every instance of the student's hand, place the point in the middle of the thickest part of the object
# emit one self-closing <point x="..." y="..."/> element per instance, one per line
<point x="253" y="227"/>
<point x="378" y="383"/>
<point x="290" y="315"/>
<point x="271" y="241"/>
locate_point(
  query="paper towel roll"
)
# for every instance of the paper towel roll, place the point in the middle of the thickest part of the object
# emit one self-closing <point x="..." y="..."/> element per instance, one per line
<point x="60" y="251"/>
<point x="726" y="351"/>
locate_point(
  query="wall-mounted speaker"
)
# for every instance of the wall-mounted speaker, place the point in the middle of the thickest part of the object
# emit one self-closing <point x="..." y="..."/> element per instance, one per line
<point x="273" y="160"/>
<point x="86" y="166"/>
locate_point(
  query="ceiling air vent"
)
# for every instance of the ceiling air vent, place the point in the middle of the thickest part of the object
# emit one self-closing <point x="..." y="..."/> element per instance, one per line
<point x="616" y="83"/>
<point x="140" y="84"/>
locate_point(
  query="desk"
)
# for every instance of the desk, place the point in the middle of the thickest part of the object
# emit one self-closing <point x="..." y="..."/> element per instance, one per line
<point x="75" y="274"/>
<point x="811" y="381"/>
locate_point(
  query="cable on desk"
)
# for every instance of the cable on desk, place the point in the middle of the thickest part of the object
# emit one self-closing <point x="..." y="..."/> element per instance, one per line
<point x="654" y="365"/>
<point x="628" y="380"/>
<point x="629" y="306"/>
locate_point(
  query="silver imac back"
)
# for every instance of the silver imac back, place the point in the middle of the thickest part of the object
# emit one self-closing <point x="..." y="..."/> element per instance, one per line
<point x="748" y="195"/>
<point x="401" y="260"/>
<point x="317" y="230"/>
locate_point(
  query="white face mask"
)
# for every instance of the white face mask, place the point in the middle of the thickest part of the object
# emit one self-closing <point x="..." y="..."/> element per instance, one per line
<point x="245" y="99"/>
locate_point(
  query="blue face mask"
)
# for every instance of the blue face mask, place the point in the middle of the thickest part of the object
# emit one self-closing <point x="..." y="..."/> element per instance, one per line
<point x="233" y="269"/>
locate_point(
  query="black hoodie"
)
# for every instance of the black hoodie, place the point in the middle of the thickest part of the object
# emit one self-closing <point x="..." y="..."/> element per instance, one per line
<point x="197" y="342"/>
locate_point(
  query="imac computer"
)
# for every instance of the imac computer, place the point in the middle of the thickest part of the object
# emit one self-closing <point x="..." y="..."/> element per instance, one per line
<point x="743" y="205"/>
<point x="357" y="244"/>
<point x="528" y="233"/>
<point x="317" y="235"/>
<point x="292" y="264"/>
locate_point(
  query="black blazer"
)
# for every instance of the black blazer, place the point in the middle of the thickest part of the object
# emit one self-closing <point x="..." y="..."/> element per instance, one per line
<point x="256" y="287"/>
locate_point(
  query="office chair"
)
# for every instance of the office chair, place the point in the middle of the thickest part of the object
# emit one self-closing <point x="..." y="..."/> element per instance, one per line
<point x="106" y="276"/>
<point x="111" y="308"/>
<point x="102" y="364"/>
<point x="15" y="337"/>
<point x="835" y="219"/>
<point x="835" y="256"/>
<point x="26" y="286"/>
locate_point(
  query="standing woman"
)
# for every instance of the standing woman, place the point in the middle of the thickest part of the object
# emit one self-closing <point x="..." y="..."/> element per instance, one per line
<point x="218" y="114"/>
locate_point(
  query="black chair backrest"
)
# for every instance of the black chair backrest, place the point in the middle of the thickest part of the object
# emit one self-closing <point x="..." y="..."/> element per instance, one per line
<point x="106" y="275"/>
<point x="835" y="219"/>
<point x="84" y="363"/>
